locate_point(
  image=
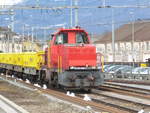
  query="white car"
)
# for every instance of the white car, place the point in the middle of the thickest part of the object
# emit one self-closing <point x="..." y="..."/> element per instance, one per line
<point x="141" y="70"/>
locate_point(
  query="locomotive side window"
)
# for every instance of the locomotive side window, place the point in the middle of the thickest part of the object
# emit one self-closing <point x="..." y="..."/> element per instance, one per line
<point x="65" y="38"/>
<point x="61" y="38"/>
<point x="81" y="38"/>
<point x="51" y="37"/>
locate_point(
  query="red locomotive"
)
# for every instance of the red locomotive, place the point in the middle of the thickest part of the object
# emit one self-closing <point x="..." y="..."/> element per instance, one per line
<point x="71" y="60"/>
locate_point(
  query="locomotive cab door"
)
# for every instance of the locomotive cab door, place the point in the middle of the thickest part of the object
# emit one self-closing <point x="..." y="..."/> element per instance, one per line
<point x="56" y="48"/>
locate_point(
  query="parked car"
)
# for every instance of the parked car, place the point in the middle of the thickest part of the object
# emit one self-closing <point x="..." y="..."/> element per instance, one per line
<point x="136" y="70"/>
<point x="141" y="70"/>
<point x="145" y="70"/>
<point x="124" y="69"/>
<point x="106" y="67"/>
<point x="112" y="69"/>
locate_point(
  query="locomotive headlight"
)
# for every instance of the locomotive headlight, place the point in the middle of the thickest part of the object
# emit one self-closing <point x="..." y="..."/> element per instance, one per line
<point x="94" y="67"/>
<point x="71" y="67"/>
<point x="86" y="65"/>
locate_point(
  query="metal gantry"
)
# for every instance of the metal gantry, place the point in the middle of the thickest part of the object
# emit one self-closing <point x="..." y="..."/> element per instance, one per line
<point x="38" y="7"/>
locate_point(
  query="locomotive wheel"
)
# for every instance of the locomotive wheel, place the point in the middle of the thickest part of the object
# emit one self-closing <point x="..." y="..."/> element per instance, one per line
<point x="55" y="83"/>
<point x="42" y="78"/>
<point x="23" y="77"/>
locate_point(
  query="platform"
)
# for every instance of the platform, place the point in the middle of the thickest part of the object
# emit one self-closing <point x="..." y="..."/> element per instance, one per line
<point x="7" y="106"/>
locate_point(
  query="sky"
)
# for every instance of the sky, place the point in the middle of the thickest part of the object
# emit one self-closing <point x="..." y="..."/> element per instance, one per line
<point x="95" y="21"/>
<point x="10" y="2"/>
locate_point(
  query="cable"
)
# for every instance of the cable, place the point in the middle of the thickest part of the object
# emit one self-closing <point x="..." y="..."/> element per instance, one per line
<point x="121" y="22"/>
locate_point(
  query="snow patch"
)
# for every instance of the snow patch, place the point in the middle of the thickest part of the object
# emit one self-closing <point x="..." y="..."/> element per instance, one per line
<point x="141" y="111"/>
<point x="86" y="98"/>
<point x="19" y="79"/>
<point x="44" y="86"/>
<point x="88" y="107"/>
<point x="37" y="85"/>
<point x="70" y="94"/>
<point x="12" y="76"/>
<point x="27" y="81"/>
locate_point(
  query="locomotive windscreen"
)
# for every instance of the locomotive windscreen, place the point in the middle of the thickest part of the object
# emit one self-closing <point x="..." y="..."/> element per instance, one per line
<point x="81" y="38"/>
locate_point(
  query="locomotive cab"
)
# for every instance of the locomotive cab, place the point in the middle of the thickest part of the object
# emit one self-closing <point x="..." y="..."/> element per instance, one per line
<point x="72" y="58"/>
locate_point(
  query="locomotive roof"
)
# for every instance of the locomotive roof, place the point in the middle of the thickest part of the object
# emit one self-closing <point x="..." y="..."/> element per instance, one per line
<point x="69" y="29"/>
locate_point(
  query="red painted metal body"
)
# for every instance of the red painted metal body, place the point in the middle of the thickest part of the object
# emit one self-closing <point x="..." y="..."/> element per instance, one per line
<point x="71" y="53"/>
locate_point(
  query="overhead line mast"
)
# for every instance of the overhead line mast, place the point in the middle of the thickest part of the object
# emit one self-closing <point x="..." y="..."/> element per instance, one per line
<point x="76" y="13"/>
<point x="71" y="13"/>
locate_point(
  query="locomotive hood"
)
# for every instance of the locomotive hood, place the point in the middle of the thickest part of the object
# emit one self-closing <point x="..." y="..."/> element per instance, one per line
<point x="83" y="55"/>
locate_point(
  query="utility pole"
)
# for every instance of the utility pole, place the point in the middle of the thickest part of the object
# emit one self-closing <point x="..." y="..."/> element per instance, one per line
<point x="113" y="36"/>
<point x="12" y="29"/>
<point x="23" y="32"/>
<point x="71" y="15"/>
<point x="32" y="30"/>
<point x="45" y="35"/>
<point x="76" y="13"/>
<point x="37" y="3"/>
<point x="12" y="21"/>
<point x="132" y="40"/>
<point x="23" y="36"/>
<point x="104" y="3"/>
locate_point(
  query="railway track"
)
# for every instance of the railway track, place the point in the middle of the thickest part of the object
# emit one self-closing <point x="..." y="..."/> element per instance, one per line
<point x="95" y="104"/>
<point x="130" y="87"/>
<point x="127" y="103"/>
<point x="128" y="98"/>
<point x="127" y="90"/>
<point x="130" y="82"/>
<point x="134" y="97"/>
<point x="108" y="103"/>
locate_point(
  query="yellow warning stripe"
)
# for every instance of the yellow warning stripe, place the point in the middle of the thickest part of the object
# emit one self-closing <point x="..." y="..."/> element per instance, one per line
<point x="60" y="64"/>
<point x="49" y="58"/>
<point x="102" y="62"/>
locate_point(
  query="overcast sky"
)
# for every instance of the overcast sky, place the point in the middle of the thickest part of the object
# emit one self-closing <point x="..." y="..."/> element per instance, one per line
<point x="10" y="2"/>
